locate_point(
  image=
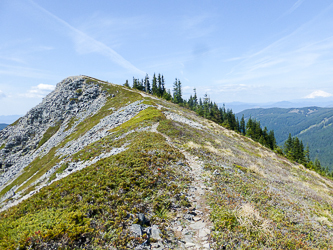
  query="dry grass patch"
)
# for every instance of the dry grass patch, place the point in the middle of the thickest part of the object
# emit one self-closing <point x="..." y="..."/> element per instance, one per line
<point x="250" y="218"/>
<point x="257" y="170"/>
<point x="192" y="144"/>
<point x="325" y="221"/>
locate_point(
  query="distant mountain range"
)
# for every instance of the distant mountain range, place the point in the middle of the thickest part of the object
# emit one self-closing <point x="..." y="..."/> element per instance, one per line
<point x="313" y="125"/>
<point x="3" y="125"/>
<point x="326" y="102"/>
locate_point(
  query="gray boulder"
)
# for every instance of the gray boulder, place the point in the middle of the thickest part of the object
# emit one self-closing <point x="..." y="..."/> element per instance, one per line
<point x="155" y="233"/>
<point x="137" y="229"/>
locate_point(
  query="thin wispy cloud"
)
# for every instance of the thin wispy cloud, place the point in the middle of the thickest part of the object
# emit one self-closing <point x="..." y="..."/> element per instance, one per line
<point x="20" y="52"/>
<point x="12" y="59"/>
<point x="305" y="52"/>
<point x="22" y="71"/>
<point x="39" y="91"/>
<point x="87" y="44"/>
<point x="294" y="7"/>
<point x="237" y="87"/>
<point x="196" y="26"/>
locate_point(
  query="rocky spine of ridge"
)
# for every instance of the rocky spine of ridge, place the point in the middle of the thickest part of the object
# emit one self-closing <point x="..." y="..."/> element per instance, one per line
<point x="145" y="166"/>
<point x="72" y="97"/>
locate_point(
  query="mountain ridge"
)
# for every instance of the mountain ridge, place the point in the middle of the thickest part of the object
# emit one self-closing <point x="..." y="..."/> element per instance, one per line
<point x="313" y="125"/>
<point x="98" y="165"/>
<point x="323" y="102"/>
<point x="8" y="119"/>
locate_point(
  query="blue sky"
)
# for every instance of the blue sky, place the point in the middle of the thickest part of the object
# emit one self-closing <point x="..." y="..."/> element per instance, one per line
<point x="248" y="51"/>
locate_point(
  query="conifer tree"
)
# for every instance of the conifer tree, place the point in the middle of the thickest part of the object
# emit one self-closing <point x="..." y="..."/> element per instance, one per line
<point x="242" y="125"/>
<point x="206" y="106"/>
<point x="271" y="139"/>
<point x="163" y="86"/>
<point x="195" y="98"/>
<point x="135" y="84"/>
<point x="159" y="82"/>
<point x="317" y="165"/>
<point x="307" y="154"/>
<point x="167" y="95"/>
<point x="142" y="85"/>
<point x="154" y="89"/>
<point x="249" y="128"/>
<point x="177" y="92"/>
<point x="147" y="84"/>
<point x="126" y="84"/>
<point x="180" y="95"/>
<point x="288" y="146"/>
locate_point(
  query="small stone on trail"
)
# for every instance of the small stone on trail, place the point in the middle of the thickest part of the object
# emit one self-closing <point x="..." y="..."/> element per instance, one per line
<point x="196" y="218"/>
<point x="188" y="216"/>
<point x="216" y="172"/>
<point x="197" y="225"/>
<point x="190" y="244"/>
<point x="155" y="233"/>
<point x="207" y="246"/>
<point x="136" y="228"/>
<point x="204" y="232"/>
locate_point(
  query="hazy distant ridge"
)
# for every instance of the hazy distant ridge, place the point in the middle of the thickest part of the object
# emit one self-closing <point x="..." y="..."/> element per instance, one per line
<point x="318" y="102"/>
<point x="313" y="125"/>
<point x="9" y="119"/>
<point x="3" y="125"/>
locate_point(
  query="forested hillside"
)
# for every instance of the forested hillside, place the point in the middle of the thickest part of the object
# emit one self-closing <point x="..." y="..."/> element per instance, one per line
<point x="312" y="125"/>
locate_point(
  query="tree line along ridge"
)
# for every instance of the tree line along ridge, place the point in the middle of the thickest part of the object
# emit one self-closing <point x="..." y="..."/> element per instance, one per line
<point x="293" y="148"/>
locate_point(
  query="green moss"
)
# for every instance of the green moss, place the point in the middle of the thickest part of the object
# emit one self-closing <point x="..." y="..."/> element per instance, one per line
<point x="49" y="133"/>
<point x="223" y="218"/>
<point x="28" y="190"/>
<point x="2" y="146"/>
<point x="74" y="99"/>
<point x="140" y="179"/>
<point x="70" y="123"/>
<point x="143" y="175"/>
<point x="47" y="162"/>
<point x="122" y="98"/>
<point x="143" y="119"/>
<point x="60" y="170"/>
<point x="90" y="81"/>
<point x="16" y="122"/>
<point x="249" y="151"/>
<point x="149" y="101"/>
<point x="243" y="169"/>
<point x="33" y="171"/>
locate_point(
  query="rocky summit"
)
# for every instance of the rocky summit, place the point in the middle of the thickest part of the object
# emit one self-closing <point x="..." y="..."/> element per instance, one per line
<point x="101" y="166"/>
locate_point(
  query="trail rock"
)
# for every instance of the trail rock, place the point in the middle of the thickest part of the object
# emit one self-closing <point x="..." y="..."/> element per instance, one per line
<point x="155" y="233"/>
<point x="137" y="229"/>
<point x="142" y="218"/>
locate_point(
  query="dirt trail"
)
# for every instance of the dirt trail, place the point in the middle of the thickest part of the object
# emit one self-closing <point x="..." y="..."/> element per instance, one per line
<point x="194" y="233"/>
